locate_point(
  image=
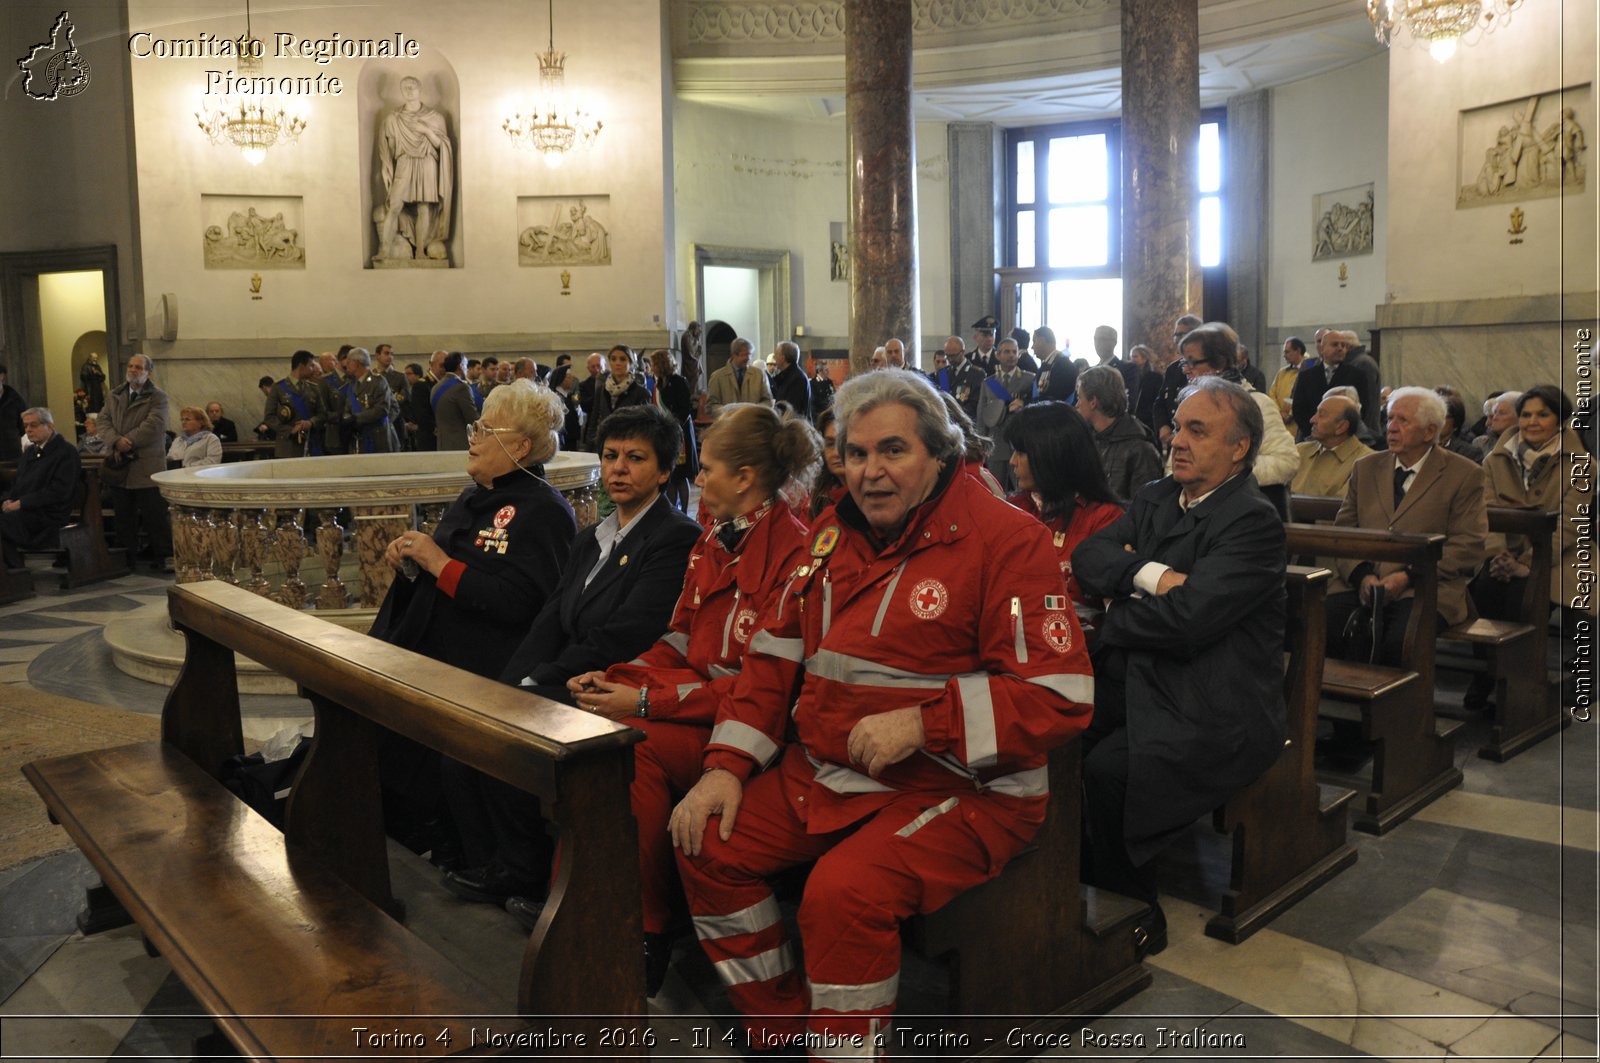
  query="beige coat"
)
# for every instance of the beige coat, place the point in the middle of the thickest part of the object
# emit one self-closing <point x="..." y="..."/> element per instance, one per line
<point x="1446" y="498"/>
<point x="1327" y="472"/>
<point x="1558" y="485"/>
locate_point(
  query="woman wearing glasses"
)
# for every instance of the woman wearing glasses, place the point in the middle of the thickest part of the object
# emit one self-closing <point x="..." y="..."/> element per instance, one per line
<point x="753" y="459"/>
<point x="485" y="572"/>
<point x="467" y="593"/>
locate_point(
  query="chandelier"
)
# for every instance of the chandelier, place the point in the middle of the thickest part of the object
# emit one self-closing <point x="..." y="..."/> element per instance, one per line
<point x="553" y="125"/>
<point x="250" y="127"/>
<point x="1439" y="23"/>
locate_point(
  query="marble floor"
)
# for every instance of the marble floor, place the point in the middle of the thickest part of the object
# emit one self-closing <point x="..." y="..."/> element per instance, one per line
<point x="1469" y="932"/>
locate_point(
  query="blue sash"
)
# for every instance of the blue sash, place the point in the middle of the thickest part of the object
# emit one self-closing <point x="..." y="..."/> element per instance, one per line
<point x="297" y="403"/>
<point x="998" y="389"/>
<point x="944" y="380"/>
<point x="366" y="438"/>
<point x="439" y="392"/>
<point x="477" y="396"/>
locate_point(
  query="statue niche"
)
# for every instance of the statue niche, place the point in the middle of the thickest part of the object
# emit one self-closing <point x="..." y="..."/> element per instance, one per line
<point x="416" y="181"/>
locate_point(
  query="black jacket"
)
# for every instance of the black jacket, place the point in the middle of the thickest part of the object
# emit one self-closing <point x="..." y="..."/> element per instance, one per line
<point x="225" y="430"/>
<point x="1201" y="667"/>
<point x="11" y="406"/>
<point x="514" y="540"/>
<point x="792" y="387"/>
<point x="626" y="607"/>
<point x="47" y="478"/>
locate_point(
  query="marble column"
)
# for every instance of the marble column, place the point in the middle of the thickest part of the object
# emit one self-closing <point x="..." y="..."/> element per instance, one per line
<point x="883" y="158"/>
<point x="975" y="182"/>
<point x="1160" y="136"/>
<point x="1244" y="239"/>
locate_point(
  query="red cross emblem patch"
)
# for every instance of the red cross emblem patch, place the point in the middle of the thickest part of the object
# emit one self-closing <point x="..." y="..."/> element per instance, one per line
<point x="1058" y="632"/>
<point x="504" y="516"/>
<point x="743" y="625"/>
<point x="929" y="599"/>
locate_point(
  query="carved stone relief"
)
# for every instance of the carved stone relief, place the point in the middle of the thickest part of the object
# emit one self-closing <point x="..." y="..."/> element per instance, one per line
<point x="1341" y="222"/>
<point x="252" y="232"/>
<point x="1522" y="149"/>
<point x="563" y="231"/>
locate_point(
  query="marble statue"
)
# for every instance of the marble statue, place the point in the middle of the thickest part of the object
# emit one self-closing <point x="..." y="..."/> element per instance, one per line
<point x="417" y="167"/>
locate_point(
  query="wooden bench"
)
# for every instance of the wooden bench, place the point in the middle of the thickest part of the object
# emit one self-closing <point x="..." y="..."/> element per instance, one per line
<point x="1287" y="829"/>
<point x="288" y="940"/>
<point x="1032" y="948"/>
<point x="82" y="540"/>
<point x="249" y="450"/>
<point x="1527" y="705"/>
<point x="1414" y="757"/>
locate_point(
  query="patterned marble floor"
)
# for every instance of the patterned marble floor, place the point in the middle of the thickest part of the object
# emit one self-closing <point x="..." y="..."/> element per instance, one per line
<point x="1469" y="932"/>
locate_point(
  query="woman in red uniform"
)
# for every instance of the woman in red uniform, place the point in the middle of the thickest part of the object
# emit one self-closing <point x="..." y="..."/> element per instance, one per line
<point x="1059" y="478"/>
<point x="750" y="461"/>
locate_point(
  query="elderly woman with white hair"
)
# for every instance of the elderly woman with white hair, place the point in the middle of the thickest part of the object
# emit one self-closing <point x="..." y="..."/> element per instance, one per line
<point x="467" y="594"/>
<point x="469" y="591"/>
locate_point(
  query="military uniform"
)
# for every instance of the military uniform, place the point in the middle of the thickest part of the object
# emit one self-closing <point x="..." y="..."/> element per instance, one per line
<point x="364" y="423"/>
<point x="290" y="402"/>
<point x="965" y="383"/>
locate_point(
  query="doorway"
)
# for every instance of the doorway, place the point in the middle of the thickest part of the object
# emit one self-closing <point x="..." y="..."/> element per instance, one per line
<point x="59" y="307"/>
<point x="748" y="289"/>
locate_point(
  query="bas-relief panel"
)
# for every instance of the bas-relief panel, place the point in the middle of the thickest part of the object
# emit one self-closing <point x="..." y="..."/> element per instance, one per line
<point x="563" y="230"/>
<point x="1341" y="222"/>
<point x="1522" y="149"/>
<point x="252" y="232"/>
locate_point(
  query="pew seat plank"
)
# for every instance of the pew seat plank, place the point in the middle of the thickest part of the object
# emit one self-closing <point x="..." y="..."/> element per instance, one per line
<point x="1352" y="681"/>
<point x="242" y="919"/>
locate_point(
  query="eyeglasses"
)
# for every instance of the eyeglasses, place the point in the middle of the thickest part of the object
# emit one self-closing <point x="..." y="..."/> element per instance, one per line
<point x="478" y="428"/>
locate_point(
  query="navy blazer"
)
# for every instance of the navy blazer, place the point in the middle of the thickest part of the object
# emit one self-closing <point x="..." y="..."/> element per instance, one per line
<point x="625" y="608"/>
<point x="46" y="482"/>
<point x="1202" y="665"/>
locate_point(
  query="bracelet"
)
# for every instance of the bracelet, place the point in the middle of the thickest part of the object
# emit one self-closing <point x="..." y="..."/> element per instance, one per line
<point x="644" y="702"/>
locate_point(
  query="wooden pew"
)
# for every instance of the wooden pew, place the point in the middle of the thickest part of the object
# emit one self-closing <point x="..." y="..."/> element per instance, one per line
<point x="249" y="450"/>
<point x="287" y="939"/>
<point x="1414" y="759"/>
<point x="1287" y="830"/>
<point x="1527" y="706"/>
<point x="82" y="540"/>
<point x="1032" y="948"/>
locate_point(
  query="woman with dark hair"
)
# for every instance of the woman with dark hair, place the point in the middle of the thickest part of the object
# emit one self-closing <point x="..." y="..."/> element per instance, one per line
<point x="671" y="392"/>
<point x="1527" y="469"/>
<point x="756" y="462"/>
<point x="1059" y="478"/>
<point x="829" y="487"/>
<point x="615" y="390"/>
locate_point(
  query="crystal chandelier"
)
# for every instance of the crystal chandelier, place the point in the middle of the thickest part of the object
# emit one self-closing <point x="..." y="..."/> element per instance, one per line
<point x="1439" y="23"/>
<point x="553" y="125"/>
<point x="250" y="127"/>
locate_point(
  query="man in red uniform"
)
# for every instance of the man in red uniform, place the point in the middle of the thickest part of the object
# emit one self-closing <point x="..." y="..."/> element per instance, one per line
<point x="931" y="660"/>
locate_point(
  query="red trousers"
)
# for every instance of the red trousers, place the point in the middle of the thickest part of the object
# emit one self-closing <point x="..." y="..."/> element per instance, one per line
<point x="665" y="765"/>
<point x="911" y="856"/>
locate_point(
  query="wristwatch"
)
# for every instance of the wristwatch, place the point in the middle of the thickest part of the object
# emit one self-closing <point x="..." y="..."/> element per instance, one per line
<point x="644" y="703"/>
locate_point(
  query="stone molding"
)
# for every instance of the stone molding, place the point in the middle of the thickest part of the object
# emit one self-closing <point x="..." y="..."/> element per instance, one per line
<point x="720" y="22"/>
<point x="348" y="480"/>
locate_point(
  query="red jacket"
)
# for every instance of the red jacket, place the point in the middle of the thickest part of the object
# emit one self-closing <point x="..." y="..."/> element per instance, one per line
<point x="1065" y="535"/>
<point x="964" y="616"/>
<point x="693" y="664"/>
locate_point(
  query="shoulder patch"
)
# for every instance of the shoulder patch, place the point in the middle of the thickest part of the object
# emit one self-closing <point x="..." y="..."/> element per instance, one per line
<point x="826" y="540"/>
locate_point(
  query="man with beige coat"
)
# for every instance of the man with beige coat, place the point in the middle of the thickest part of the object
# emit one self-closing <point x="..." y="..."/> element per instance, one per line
<point x="1417" y="487"/>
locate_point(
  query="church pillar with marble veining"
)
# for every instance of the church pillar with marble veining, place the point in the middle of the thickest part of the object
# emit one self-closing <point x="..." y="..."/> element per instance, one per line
<point x="883" y="158"/>
<point x="1160" y="131"/>
<point x="1244" y="238"/>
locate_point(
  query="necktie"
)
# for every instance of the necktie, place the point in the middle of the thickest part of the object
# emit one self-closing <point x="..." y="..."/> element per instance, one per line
<point x="1401" y="474"/>
<point x="738" y="378"/>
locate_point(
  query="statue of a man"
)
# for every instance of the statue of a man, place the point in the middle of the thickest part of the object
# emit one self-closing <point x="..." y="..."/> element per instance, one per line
<point x="418" y="170"/>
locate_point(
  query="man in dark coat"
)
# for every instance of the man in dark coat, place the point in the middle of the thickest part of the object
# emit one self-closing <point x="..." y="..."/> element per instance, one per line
<point x="455" y="403"/>
<point x="11" y="406"/>
<point x="821" y="389"/>
<point x="40" y="498"/>
<point x="223" y="428"/>
<point x="789" y="383"/>
<point x="1058" y="377"/>
<point x="1173" y="380"/>
<point x="1188" y="667"/>
<point x="615" y="598"/>
<point x="419" y="409"/>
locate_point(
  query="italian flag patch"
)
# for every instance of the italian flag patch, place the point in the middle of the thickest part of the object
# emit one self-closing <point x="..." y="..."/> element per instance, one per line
<point x="1055" y="602"/>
